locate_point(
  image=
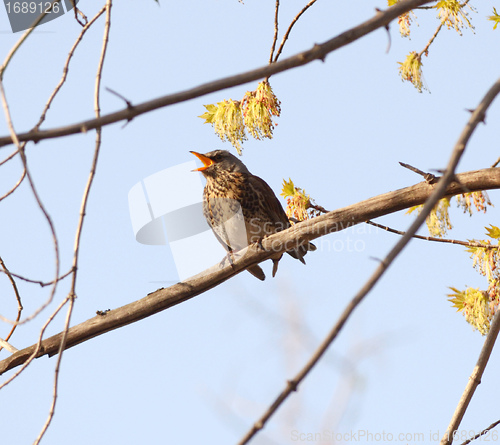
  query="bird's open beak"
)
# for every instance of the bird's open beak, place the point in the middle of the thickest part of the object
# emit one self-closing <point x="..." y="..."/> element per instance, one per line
<point x="207" y="162"/>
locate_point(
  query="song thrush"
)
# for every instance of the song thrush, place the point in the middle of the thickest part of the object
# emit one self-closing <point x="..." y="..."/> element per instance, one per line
<point x="241" y="208"/>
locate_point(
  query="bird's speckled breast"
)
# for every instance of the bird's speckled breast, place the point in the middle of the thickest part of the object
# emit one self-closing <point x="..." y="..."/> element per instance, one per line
<point x="224" y="197"/>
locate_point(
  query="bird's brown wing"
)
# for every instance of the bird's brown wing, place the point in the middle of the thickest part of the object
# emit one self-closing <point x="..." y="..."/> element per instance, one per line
<point x="272" y="205"/>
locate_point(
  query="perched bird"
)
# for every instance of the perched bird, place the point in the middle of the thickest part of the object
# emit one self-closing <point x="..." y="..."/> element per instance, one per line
<point x="241" y="208"/>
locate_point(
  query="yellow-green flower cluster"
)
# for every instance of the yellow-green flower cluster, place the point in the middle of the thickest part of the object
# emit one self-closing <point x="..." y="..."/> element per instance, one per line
<point x="411" y="70"/>
<point x="479" y="307"/>
<point x="475" y="306"/>
<point x="299" y="205"/>
<point x="480" y="200"/>
<point x="404" y="20"/>
<point x="493" y="293"/>
<point x="495" y="18"/>
<point x="438" y="222"/>
<point x="254" y="113"/>
<point x="227" y="121"/>
<point x="486" y="260"/>
<point x="452" y="14"/>
<point x="259" y="107"/>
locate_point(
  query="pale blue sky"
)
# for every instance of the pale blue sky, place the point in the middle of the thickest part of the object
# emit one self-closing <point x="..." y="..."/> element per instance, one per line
<point x="204" y="371"/>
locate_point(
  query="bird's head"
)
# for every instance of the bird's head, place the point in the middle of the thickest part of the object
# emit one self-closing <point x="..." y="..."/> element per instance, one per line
<point x="219" y="162"/>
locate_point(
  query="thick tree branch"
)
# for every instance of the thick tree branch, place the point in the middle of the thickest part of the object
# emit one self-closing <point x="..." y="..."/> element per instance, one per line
<point x="334" y="221"/>
<point x="318" y="52"/>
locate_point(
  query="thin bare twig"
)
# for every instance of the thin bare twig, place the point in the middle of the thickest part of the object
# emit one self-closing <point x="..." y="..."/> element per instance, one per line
<point x="90" y="179"/>
<point x="78" y="11"/>
<point x="275" y="38"/>
<point x="434" y="239"/>
<point x="3" y="67"/>
<point x="47" y="106"/>
<point x="23" y="38"/>
<point x="496" y="163"/>
<point x="18" y="298"/>
<point x="431" y="40"/>
<point x="36" y="347"/>
<point x="66" y="67"/>
<point x="4" y="344"/>
<point x="317" y="207"/>
<point x="49" y="102"/>
<point x="127" y="102"/>
<point x="429" y="43"/>
<point x="482" y="433"/>
<point x="429" y="177"/>
<point x="41" y="283"/>
<point x="8" y="158"/>
<point x="438" y="192"/>
<point x="20" y="148"/>
<point x="57" y="369"/>
<point x="72" y="293"/>
<point x="289" y="30"/>
<point x="318" y="52"/>
<point x="16" y="185"/>
<point x="426" y="238"/>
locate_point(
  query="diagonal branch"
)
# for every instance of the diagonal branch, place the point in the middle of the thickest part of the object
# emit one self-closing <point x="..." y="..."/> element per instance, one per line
<point x="439" y="191"/>
<point x="309" y="230"/>
<point x="318" y="52"/>
<point x="474" y="381"/>
<point x="481" y="433"/>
